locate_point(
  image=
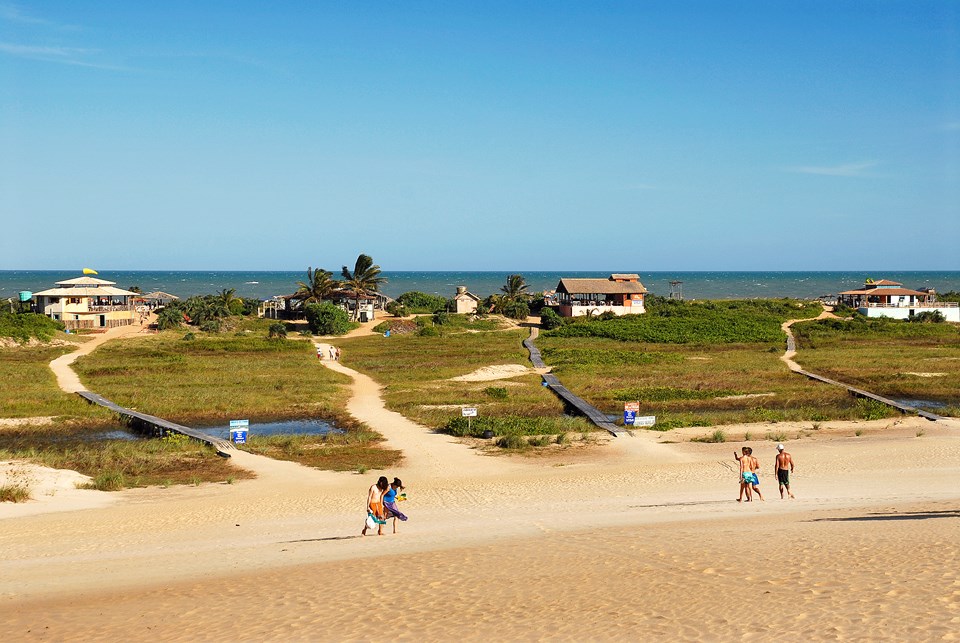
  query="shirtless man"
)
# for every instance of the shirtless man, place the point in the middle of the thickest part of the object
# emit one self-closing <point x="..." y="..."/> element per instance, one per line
<point x="784" y="466"/>
<point x="755" y="470"/>
<point x="746" y="475"/>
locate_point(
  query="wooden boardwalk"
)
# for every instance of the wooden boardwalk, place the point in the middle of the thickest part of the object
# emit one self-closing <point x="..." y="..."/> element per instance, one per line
<point x="853" y="390"/>
<point x="156" y="425"/>
<point x="903" y="408"/>
<point x="591" y="412"/>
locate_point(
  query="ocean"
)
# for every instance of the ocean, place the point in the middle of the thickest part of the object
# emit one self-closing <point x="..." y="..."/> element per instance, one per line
<point x="695" y="285"/>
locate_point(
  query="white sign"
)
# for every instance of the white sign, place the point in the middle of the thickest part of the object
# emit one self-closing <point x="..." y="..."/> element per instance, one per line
<point x="468" y="412"/>
<point x="236" y="424"/>
<point x="645" y="420"/>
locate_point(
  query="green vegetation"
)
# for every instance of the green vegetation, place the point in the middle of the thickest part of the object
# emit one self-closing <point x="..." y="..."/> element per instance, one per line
<point x="415" y="302"/>
<point x="707" y="322"/>
<point x="317" y="287"/>
<point x="691" y="385"/>
<point x="209" y="313"/>
<point x="896" y="359"/>
<point x="664" y="393"/>
<point x="117" y="464"/>
<point x="25" y="326"/>
<point x="327" y="319"/>
<point x="416" y="372"/>
<point x="355" y="451"/>
<point x="214" y="377"/>
<point x="30" y="387"/>
<point x="364" y="279"/>
<point x="717" y="437"/>
<point x="515" y="300"/>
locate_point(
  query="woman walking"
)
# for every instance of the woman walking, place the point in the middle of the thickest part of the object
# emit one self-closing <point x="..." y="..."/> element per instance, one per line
<point x="375" y="515"/>
<point x="390" y="503"/>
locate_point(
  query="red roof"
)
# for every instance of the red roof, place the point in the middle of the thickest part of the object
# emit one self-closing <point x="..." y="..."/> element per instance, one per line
<point x="867" y="292"/>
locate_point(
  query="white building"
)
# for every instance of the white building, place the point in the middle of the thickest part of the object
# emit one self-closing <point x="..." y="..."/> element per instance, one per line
<point x="890" y="299"/>
<point x="87" y="302"/>
<point x="465" y="302"/>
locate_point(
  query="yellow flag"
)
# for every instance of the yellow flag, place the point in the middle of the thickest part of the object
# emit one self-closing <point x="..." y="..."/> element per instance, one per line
<point x="90" y="271"/>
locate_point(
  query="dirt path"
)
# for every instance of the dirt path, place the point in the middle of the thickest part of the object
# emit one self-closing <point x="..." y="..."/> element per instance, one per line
<point x="791" y="351"/>
<point x="67" y="379"/>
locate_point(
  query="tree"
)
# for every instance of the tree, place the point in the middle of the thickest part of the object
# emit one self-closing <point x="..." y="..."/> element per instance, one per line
<point x="317" y="287"/>
<point x="224" y="301"/>
<point x="514" y="301"/>
<point x="364" y="280"/>
<point x="326" y="319"/>
<point x="515" y="289"/>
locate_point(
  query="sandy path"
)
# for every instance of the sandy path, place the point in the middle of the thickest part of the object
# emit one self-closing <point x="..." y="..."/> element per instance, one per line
<point x="67" y="379"/>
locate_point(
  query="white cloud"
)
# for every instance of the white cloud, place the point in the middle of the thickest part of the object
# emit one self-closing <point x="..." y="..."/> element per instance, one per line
<point x="62" y="55"/>
<point x="848" y="169"/>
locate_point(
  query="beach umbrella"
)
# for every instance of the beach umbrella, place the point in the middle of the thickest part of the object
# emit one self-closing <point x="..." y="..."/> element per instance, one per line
<point x="90" y="271"/>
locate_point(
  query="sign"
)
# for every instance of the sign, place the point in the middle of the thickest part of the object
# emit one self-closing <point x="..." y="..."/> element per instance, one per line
<point x="630" y="410"/>
<point x="238" y="431"/>
<point x="468" y="412"/>
<point x="645" y="420"/>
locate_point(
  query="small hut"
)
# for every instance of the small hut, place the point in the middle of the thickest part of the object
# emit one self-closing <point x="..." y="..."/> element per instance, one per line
<point x="465" y="302"/>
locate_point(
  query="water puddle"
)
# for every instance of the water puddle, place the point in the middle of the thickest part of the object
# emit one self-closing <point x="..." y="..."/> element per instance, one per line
<point x="287" y="427"/>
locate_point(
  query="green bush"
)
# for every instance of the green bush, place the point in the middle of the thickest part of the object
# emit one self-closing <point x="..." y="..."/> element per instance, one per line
<point x="23" y="326"/>
<point x="516" y="310"/>
<point x="277" y="330"/>
<point x="665" y="393"/>
<point x="421" y="302"/>
<point x="549" y="318"/>
<point x="513" y="441"/>
<point x="327" y="319"/>
<point x="396" y="309"/>
<point x="496" y="392"/>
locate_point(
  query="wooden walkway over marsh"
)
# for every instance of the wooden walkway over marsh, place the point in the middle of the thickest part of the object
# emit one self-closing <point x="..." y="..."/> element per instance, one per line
<point x="853" y="390"/>
<point x="592" y="413"/>
<point x="155" y="425"/>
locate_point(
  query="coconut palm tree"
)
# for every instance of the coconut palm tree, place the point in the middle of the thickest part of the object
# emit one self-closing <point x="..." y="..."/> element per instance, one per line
<point x="317" y="287"/>
<point x="515" y="289"/>
<point x="364" y="280"/>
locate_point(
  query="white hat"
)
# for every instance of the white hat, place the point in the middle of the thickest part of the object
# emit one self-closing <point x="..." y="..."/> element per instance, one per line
<point x="779" y="447"/>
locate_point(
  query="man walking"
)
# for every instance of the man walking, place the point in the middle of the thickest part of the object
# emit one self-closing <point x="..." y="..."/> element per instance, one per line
<point x="784" y="466"/>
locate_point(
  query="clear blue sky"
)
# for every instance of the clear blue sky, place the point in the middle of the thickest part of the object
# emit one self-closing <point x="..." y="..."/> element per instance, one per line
<point x="480" y="136"/>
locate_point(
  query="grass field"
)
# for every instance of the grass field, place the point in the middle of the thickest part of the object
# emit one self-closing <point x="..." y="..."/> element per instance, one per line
<point x="416" y="373"/>
<point x="698" y="385"/>
<point x="30" y="387"/>
<point x="217" y="377"/>
<point x="117" y="464"/>
<point x="900" y="360"/>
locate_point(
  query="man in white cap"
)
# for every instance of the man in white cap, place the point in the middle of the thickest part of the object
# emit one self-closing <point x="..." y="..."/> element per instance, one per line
<point x="784" y="467"/>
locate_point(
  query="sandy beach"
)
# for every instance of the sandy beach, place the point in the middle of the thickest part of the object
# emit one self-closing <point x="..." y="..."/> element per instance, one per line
<point x="633" y="538"/>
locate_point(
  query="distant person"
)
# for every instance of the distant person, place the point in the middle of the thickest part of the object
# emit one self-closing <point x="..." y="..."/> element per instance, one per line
<point x="784" y="466"/>
<point x="746" y="476"/>
<point x="375" y="515"/>
<point x="333" y="353"/>
<point x="755" y="469"/>
<point x="320" y="352"/>
<point x="390" y="503"/>
<point x="338" y="354"/>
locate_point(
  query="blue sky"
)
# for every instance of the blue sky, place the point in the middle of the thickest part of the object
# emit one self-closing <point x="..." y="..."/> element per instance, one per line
<point x="814" y="135"/>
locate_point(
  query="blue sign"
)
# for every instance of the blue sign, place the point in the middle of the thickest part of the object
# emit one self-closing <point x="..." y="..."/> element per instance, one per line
<point x="238" y="431"/>
<point x="629" y="417"/>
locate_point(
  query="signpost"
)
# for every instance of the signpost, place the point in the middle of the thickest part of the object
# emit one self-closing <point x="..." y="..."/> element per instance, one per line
<point x="630" y="410"/>
<point x="630" y="417"/>
<point x="469" y="412"/>
<point x="238" y="431"/>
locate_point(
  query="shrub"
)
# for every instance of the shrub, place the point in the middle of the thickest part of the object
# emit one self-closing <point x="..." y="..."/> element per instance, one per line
<point x="23" y="326"/>
<point x="277" y="330"/>
<point x="873" y="410"/>
<point x="516" y="310"/>
<point x="549" y="319"/>
<point x="421" y="302"/>
<point x="396" y="309"/>
<point x="14" y="493"/>
<point x="496" y="392"/>
<point x="512" y="441"/>
<point x="718" y="436"/>
<point x="327" y="319"/>
<point x="428" y="331"/>
<point x="440" y="317"/>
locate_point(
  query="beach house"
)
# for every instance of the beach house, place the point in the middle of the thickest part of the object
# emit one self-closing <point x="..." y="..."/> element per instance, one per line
<point x="88" y="302"/>
<point x="621" y="294"/>
<point x="465" y="302"/>
<point x="885" y="298"/>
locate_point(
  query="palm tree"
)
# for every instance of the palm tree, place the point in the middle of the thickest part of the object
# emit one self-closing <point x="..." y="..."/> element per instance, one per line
<point x="515" y="289"/>
<point x="225" y="299"/>
<point x="317" y="287"/>
<point x="364" y="279"/>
